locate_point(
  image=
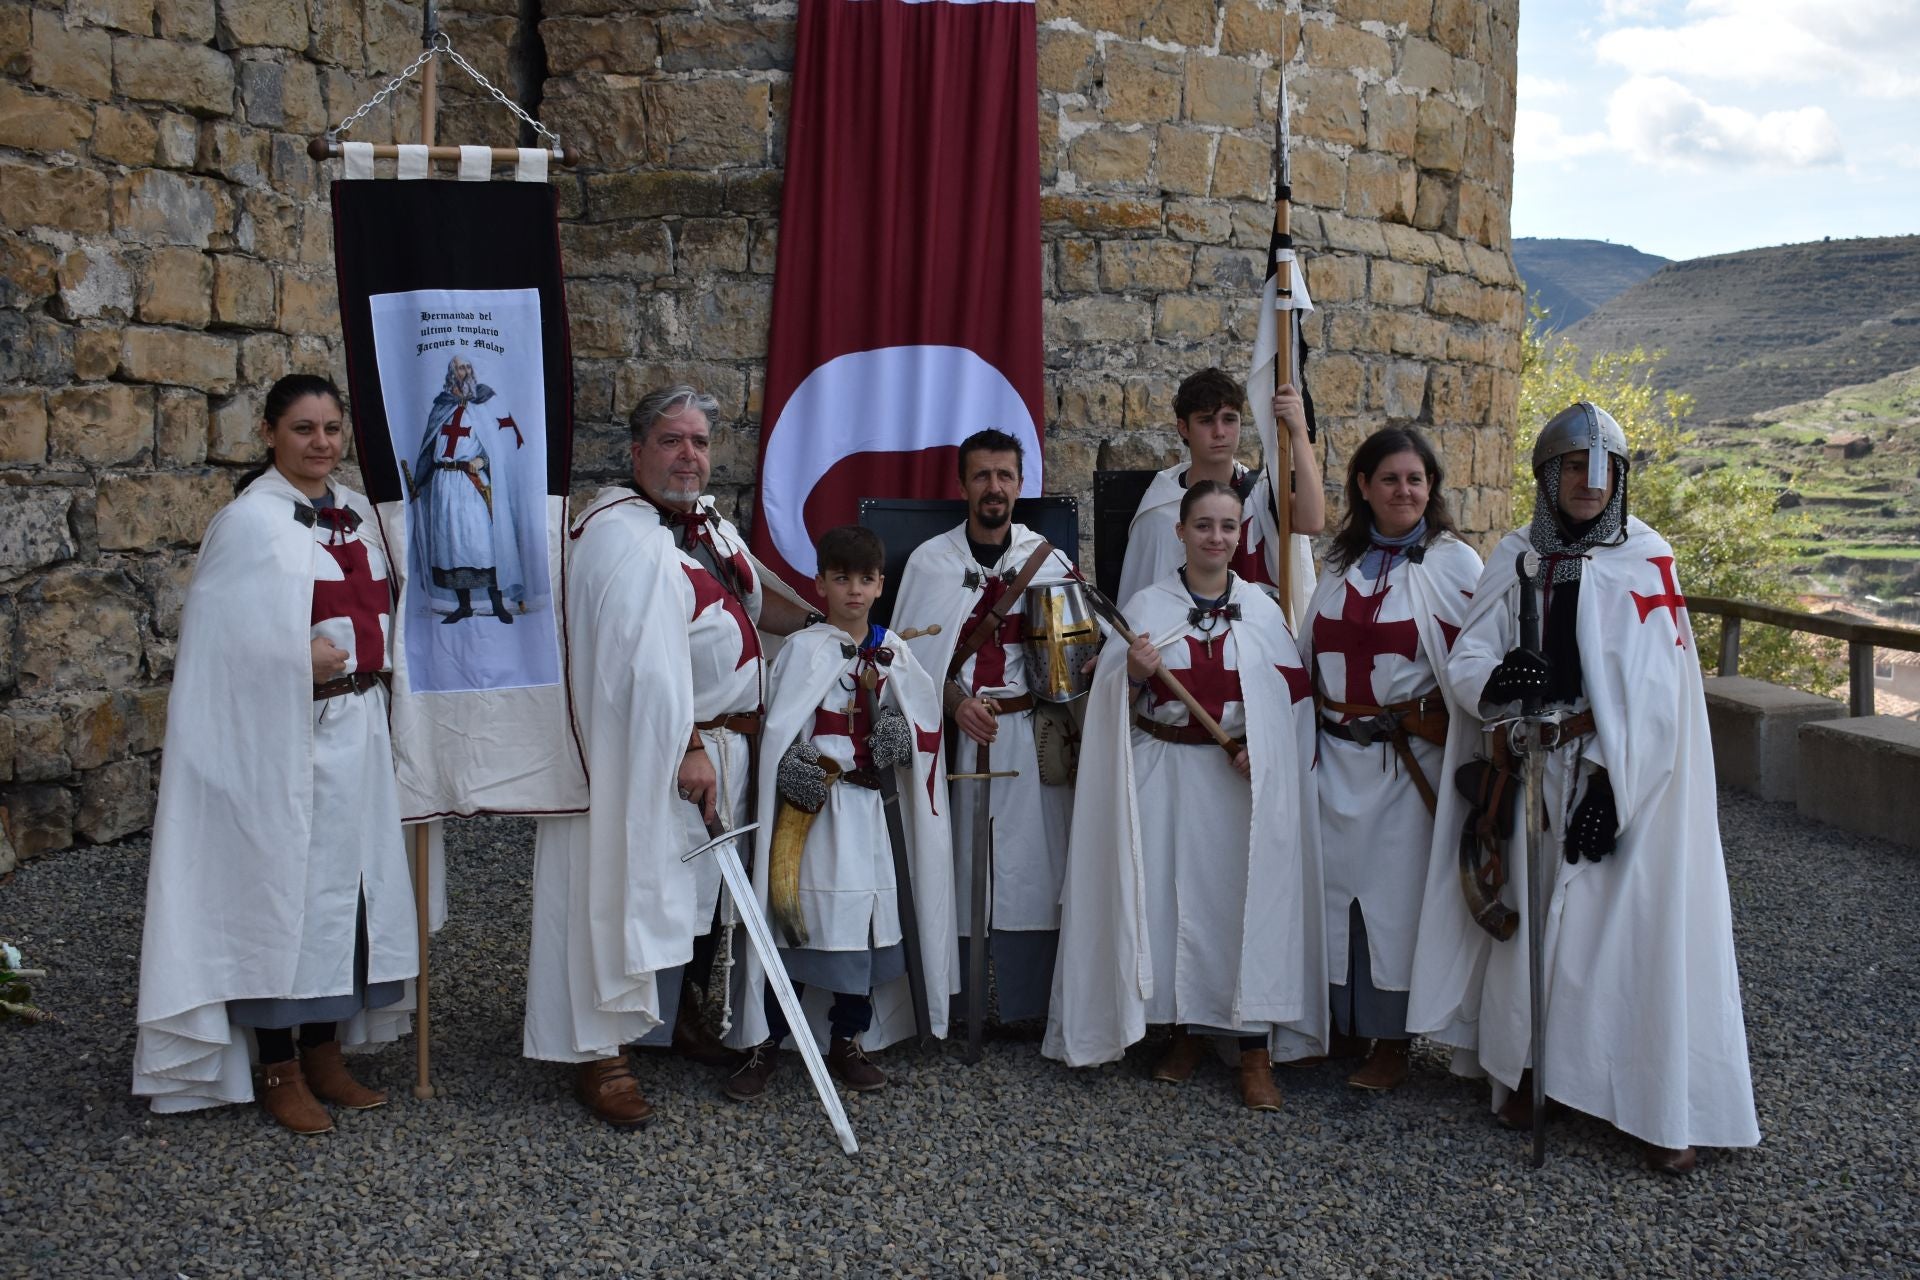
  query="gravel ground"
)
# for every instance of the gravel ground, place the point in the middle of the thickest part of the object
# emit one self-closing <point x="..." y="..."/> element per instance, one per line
<point x="1016" y="1166"/>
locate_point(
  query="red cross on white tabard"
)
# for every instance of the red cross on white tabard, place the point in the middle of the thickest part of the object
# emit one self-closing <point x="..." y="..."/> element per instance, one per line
<point x="706" y="590"/>
<point x="1669" y="599"/>
<point x="357" y="596"/>
<point x="1356" y="636"/>
<point x="1207" y="677"/>
<point x="454" y="432"/>
<point x="990" y="660"/>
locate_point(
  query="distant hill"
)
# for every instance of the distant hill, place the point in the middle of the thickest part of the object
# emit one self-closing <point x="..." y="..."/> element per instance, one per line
<point x="1570" y="278"/>
<point x="1745" y="332"/>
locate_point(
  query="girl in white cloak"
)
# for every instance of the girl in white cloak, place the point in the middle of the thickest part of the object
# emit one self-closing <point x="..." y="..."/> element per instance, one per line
<point x="1193" y="892"/>
<point x="1378" y="631"/>
<point x="278" y="899"/>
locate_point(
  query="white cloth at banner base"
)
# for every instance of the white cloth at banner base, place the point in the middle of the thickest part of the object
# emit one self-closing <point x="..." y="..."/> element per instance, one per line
<point x="1154" y="549"/>
<point x="1644" y="1024"/>
<point x="847" y="885"/>
<point x="1030" y="820"/>
<point x="1375" y="830"/>
<point x="276" y="813"/>
<point x="1241" y="939"/>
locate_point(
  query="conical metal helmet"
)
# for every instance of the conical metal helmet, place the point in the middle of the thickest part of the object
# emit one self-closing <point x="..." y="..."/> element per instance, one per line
<point x="1583" y="425"/>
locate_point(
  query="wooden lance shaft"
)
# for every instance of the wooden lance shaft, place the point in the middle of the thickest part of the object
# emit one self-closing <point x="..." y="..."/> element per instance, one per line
<point x="422" y="1041"/>
<point x="1194" y="709"/>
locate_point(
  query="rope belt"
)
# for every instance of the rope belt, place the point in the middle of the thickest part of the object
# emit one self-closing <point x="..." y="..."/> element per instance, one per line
<point x="358" y="682"/>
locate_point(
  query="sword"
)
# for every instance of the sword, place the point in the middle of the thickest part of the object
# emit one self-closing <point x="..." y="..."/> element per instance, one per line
<point x="1527" y="735"/>
<point x="735" y="876"/>
<point x="982" y="856"/>
<point x="902" y="872"/>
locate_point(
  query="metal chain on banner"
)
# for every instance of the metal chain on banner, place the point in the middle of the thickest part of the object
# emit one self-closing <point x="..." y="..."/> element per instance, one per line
<point x="443" y="44"/>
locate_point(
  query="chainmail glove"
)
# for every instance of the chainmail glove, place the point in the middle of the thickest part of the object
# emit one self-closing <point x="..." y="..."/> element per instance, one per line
<point x="1592" y="833"/>
<point x="891" y="741"/>
<point x="802" y="782"/>
<point x="1518" y="674"/>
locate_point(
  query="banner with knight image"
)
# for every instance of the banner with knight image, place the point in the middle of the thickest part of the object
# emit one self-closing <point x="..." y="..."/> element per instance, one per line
<point x="466" y="363"/>
<point x="460" y="383"/>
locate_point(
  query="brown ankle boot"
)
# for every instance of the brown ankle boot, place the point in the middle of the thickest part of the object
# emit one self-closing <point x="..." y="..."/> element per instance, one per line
<point x="1178" y="1063"/>
<point x="285" y="1096"/>
<point x="848" y="1064"/>
<point x="607" y="1088"/>
<point x="325" y="1068"/>
<point x="1678" y="1161"/>
<point x="1257" y="1088"/>
<point x="693" y="1035"/>
<point x="1384" y="1069"/>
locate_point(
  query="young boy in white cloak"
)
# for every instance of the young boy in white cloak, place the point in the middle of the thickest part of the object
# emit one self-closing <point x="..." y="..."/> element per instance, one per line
<point x="851" y="716"/>
<point x="1643" y="1018"/>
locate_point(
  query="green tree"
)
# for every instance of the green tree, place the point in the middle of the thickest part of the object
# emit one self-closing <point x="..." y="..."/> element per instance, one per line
<point x="1729" y="537"/>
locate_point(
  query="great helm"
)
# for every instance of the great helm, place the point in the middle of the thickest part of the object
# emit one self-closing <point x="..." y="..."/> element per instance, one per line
<point x="1582" y="425"/>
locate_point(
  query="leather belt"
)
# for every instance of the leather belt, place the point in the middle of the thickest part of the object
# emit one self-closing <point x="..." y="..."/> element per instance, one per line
<point x="358" y="682"/>
<point x="868" y="778"/>
<point x="1010" y="706"/>
<point x="1187" y="734"/>
<point x="747" y="722"/>
<point x="1421" y="717"/>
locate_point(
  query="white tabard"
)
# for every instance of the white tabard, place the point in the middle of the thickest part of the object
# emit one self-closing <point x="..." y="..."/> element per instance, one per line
<point x="1183" y="874"/>
<point x="1154" y="550"/>
<point x="1030" y="821"/>
<point x="1644" y="1025"/>
<point x="612" y="903"/>
<point x="848" y="892"/>
<point x="276" y="811"/>
<point x="1377" y="643"/>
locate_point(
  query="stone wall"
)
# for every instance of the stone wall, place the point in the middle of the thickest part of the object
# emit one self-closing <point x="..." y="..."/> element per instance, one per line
<point x="165" y="253"/>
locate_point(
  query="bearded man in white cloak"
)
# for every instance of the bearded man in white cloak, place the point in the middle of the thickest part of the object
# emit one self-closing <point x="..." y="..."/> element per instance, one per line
<point x="668" y="686"/>
<point x="1642" y="994"/>
<point x="969" y="582"/>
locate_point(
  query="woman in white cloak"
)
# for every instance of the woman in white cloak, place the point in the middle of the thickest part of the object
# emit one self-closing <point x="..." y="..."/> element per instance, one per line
<point x="1378" y="632"/>
<point x="1193" y="892"/>
<point x="278" y="900"/>
<point x="1643" y="1018"/>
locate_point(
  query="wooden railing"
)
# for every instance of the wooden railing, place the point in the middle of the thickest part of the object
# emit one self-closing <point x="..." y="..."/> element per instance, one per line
<point x="1862" y="639"/>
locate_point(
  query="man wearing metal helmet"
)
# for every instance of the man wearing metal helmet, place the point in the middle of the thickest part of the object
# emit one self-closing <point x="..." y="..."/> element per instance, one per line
<point x="1642" y="997"/>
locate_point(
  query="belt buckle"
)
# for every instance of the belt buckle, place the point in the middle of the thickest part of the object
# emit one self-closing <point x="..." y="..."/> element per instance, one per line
<point x="1373" y="729"/>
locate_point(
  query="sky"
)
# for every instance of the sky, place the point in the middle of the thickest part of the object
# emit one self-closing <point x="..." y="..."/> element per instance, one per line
<point x="1693" y="127"/>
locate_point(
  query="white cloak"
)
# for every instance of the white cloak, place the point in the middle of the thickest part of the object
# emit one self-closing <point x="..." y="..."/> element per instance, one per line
<point x="1644" y="1023"/>
<point x="1103" y="984"/>
<point x="275" y="811"/>
<point x="1030" y="821"/>
<point x="1154" y="549"/>
<point x="1375" y="831"/>
<point x="848" y="851"/>
<point x="612" y="903"/>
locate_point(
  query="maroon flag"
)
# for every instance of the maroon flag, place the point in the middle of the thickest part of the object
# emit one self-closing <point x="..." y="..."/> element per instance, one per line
<point x="906" y="301"/>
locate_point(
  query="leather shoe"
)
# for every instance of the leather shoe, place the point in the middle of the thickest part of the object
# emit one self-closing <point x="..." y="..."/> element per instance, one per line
<point x="847" y="1063"/>
<point x="285" y="1096"/>
<point x="749" y="1080"/>
<point x="1257" y="1088"/>
<point x="607" y="1088"/>
<point x="1678" y="1161"/>
<point x="693" y="1036"/>
<point x="1177" y="1064"/>
<point x="325" y="1068"/>
<point x="1385" y="1068"/>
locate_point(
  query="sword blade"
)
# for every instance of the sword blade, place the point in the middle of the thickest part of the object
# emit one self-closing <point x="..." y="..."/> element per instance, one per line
<point x="1536" y="936"/>
<point x="761" y="937"/>
<point x="903" y="885"/>
<point x="977" y="929"/>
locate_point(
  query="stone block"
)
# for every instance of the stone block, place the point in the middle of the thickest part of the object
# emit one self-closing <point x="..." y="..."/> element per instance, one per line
<point x="39" y="819"/>
<point x="1149" y="407"/>
<point x="233" y="434"/>
<point x="1145" y="266"/>
<point x="1319" y="178"/>
<point x="264" y="359"/>
<point x="34" y="349"/>
<point x="96" y="354"/>
<point x="1337" y="382"/>
<point x="1440" y="141"/>
<point x="1243" y="170"/>
<point x="124" y="137"/>
<point x="1222" y="91"/>
<point x="1242" y="270"/>
<point x="95" y="280"/>
<point x="754" y="192"/>
<point x="275" y="23"/>
<point x="1079" y="266"/>
<point x="69" y="199"/>
<point x="155" y="206"/>
<point x="628" y="250"/>
<point x="1071" y="321"/>
<point x="1393" y="119"/>
<point x="1098" y="217"/>
<point x="764" y="249"/>
<point x="115" y="801"/>
<point x="729" y="320"/>
<point x="23" y="427"/>
<point x="1756" y="733"/>
<point x="703" y="41"/>
<point x="1356" y="235"/>
<point x="41" y="122"/>
<point x="1399" y="284"/>
<point x="624" y="45"/>
<point x="1253" y="28"/>
<point x="188" y="76"/>
<point x="1142" y="84"/>
<point x="301" y="107"/>
<point x="1425" y="67"/>
<point x="1454" y="23"/>
<point x="1858" y="774"/>
<point x="706" y="123"/>
<point x="16" y="41"/>
<point x="242" y="292"/>
<point x="308" y="305"/>
<point x="1380" y="188"/>
<point x="79" y="629"/>
<point x="77" y="61"/>
<point x="176" y="287"/>
<point x="34" y="528"/>
<point x="706" y="245"/>
<point x="1184" y="22"/>
<point x="28" y="271"/>
<point x="144" y="712"/>
<point x="1326" y="105"/>
<point x="101" y="426"/>
<point x="180" y="434"/>
<point x="94" y="732"/>
<point x="232" y="151"/>
<point x="1183" y="160"/>
<point x="193" y="20"/>
<point x="1111" y="157"/>
<point x="201" y="360"/>
<point x="263" y="92"/>
<point x="1399" y="389"/>
<point x="176" y="140"/>
<point x="1190" y="319"/>
<point x="1335" y="278"/>
<point x="1346" y="47"/>
<point x="1089" y="404"/>
<point x="1069" y="62"/>
<point x="603" y="316"/>
<point x="144" y="512"/>
<point x="653" y="194"/>
<point x="1202" y="222"/>
<point x="39" y="741"/>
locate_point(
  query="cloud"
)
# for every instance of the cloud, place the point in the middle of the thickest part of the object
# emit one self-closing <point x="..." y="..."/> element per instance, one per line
<point x="1542" y="88"/>
<point x="1869" y="47"/>
<point x="1657" y="121"/>
<point x="1538" y="136"/>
